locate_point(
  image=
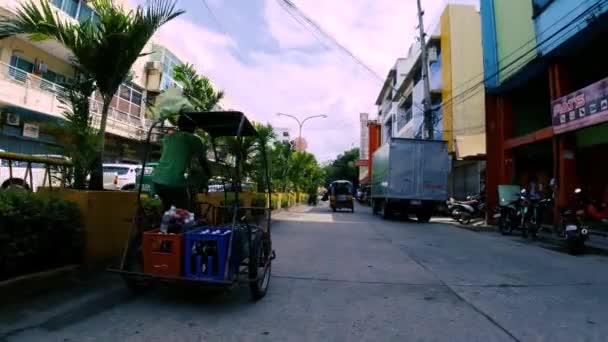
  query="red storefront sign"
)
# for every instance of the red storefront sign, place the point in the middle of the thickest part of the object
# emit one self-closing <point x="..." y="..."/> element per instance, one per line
<point x="585" y="107"/>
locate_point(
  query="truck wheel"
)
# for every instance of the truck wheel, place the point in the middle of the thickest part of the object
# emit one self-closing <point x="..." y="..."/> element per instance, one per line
<point x="375" y="207"/>
<point x="423" y="216"/>
<point x="386" y="210"/>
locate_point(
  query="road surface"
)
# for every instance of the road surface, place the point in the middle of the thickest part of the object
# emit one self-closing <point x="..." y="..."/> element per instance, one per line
<point x="351" y="277"/>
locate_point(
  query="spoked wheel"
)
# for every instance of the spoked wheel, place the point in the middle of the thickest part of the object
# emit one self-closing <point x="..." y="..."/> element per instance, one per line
<point x="260" y="268"/>
<point x="505" y="225"/>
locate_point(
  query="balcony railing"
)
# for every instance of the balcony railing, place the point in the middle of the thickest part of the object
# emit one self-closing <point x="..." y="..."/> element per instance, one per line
<point x="27" y="90"/>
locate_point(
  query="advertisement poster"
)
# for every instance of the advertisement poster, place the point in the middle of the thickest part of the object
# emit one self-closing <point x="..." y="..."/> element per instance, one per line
<point x="583" y="108"/>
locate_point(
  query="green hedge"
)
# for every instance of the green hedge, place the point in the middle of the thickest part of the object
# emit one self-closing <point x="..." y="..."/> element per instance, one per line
<point x="38" y="233"/>
<point x="274" y="201"/>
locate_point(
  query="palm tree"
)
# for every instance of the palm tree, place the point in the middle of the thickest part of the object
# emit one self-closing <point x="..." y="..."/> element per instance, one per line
<point x="104" y="47"/>
<point x="197" y="88"/>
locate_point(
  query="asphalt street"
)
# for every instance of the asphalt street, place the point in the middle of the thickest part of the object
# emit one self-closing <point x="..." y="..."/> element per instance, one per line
<point x="350" y="277"/>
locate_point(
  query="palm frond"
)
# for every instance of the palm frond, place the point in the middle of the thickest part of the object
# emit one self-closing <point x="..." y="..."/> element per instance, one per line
<point x="39" y="22"/>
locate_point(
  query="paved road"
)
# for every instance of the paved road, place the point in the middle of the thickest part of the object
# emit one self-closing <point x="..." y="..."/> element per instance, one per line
<point x="351" y="277"/>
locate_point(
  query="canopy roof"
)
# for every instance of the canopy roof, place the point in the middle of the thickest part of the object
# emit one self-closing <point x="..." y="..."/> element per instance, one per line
<point x="222" y="123"/>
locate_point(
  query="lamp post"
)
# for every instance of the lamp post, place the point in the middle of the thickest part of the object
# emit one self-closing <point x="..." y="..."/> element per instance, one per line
<point x="301" y="123"/>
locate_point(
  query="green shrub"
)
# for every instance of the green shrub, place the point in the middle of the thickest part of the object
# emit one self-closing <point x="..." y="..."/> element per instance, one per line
<point x="274" y="201"/>
<point x="284" y="201"/>
<point x="37" y="233"/>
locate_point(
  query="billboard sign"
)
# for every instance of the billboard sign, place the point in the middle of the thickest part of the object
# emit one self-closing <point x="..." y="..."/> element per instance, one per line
<point x="582" y="108"/>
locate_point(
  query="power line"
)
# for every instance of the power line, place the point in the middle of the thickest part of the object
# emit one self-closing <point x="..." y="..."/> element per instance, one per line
<point x="299" y="21"/>
<point x="221" y="27"/>
<point x="289" y="6"/>
<point x="527" y="53"/>
<point x="478" y="86"/>
<point x="532" y="40"/>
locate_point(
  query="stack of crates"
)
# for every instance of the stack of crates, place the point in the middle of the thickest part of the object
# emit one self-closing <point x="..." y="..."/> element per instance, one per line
<point x="206" y="254"/>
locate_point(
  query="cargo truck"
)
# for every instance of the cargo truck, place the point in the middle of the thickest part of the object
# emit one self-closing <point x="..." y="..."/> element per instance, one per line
<point x="410" y="176"/>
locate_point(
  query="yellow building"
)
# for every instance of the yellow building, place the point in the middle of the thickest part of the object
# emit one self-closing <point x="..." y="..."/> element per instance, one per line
<point x="455" y="62"/>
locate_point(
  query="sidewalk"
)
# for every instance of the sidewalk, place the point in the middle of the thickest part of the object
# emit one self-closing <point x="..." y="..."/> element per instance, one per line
<point x="597" y="244"/>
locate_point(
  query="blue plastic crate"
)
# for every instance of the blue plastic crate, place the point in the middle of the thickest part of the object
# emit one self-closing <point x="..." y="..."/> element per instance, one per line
<point x="206" y="254"/>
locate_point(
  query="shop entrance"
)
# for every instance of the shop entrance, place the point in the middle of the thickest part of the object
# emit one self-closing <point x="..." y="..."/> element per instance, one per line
<point x="591" y="168"/>
<point x="534" y="161"/>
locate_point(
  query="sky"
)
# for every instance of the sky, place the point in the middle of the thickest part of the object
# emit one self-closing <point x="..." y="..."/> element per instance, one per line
<point x="266" y="62"/>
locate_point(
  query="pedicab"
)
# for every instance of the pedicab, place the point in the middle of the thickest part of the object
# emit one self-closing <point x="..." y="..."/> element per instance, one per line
<point x="341" y="195"/>
<point x="229" y="245"/>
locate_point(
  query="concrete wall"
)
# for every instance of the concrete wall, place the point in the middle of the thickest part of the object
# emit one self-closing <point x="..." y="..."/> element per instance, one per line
<point x="561" y="20"/>
<point x="463" y="113"/>
<point x="509" y="38"/>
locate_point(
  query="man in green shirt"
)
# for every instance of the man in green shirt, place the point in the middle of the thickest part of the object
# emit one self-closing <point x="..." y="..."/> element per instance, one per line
<point x="179" y="149"/>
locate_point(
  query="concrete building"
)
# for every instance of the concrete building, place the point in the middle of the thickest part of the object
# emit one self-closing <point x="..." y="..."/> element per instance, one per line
<point x="282" y="134"/>
<point x="30" y="78"/>
<point x="455" y="58"/>
<point x="546" y="86"/>
<point x="368" y="144"/>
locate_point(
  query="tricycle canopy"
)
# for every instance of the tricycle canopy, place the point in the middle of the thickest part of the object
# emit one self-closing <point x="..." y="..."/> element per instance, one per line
<point x="222" y="123"/>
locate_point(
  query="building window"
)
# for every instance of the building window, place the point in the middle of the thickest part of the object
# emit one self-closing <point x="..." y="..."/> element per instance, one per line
<point x="76" y="9"/>
<point x="85" y="13"/>
<point x="22" y="64"/>
<point x="70" y="7"/>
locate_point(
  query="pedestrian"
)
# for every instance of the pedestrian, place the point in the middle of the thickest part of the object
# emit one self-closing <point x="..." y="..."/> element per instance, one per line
<point x="533" y="188"/>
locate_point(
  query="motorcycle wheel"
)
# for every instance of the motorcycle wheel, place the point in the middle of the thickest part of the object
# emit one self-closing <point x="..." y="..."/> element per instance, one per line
<point x="464" y="218"/>
<point x="505" y="226"/>
<point x="575" y="246"/>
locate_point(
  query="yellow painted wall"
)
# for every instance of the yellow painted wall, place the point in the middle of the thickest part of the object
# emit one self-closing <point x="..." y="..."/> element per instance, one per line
<point x="446" y="78"/>
<point x="30" y="52"/>
<point x="462" y="57"/>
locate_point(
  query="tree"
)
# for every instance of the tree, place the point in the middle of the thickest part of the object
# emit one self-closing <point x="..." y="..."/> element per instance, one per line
<point x="80" y="139"/>
<point x="197" y="88"/>
<point x="343" y="167"/>
<point x="103" y="47"/>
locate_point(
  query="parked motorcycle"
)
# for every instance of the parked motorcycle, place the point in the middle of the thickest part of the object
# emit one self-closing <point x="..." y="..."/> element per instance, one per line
<point x="520" y="214"/>
<point x="464" y="211"/>
<point x="508" y="217"/>
<point x="574" y="230"/>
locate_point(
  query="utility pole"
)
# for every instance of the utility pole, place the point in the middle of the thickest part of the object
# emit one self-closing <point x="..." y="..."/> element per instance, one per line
<point x="428" y="112"/>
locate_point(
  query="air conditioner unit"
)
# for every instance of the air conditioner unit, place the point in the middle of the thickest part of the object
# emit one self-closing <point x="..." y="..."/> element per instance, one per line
<point x="41" y="68"/>
<point x="12" y="119"/>
<point x="432" y="55"/>
<point x="154" y="65"/>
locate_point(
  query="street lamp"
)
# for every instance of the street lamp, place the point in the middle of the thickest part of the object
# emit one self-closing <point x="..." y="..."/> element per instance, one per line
<point x="301" y="123"/>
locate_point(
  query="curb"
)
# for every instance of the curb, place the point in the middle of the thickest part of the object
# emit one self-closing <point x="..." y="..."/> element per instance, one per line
<point x="36" y="283"/>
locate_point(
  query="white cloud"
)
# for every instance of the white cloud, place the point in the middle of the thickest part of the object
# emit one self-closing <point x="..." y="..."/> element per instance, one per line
<point x="303" y="78"/>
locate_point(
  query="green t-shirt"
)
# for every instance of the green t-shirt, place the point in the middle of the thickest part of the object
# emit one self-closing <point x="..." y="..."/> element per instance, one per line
<point x="178" y="150"/>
